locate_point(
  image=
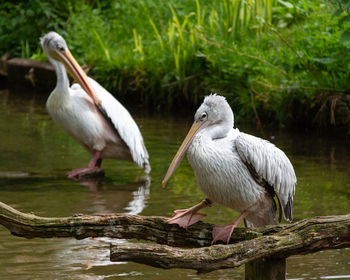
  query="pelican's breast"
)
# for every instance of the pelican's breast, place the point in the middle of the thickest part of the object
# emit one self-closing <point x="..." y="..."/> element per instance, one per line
<point x="221" y="174"/>
<point x="81" y="119"/>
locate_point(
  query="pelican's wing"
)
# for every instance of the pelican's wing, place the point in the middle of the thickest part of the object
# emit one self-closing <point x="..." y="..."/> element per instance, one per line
<point x="272" y="165"/>
<point x="124" y="124"/>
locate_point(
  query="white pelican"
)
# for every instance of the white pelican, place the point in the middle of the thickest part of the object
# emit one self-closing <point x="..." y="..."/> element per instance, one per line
<point x="89" y="113"/>
<point x="234" y="169"/>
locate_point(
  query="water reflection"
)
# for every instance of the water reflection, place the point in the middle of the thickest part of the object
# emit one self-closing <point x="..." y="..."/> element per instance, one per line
<point x="140" y="197"/>
<point x="36" y="154"/>
<point x="129" y="199"/>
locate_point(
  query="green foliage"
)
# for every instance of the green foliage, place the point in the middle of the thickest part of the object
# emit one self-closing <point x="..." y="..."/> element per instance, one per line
<point x="343" y="13"/>
<point x="313" y="64"/>
<point x="23" y="23"/>
<point x="274" y="60"/>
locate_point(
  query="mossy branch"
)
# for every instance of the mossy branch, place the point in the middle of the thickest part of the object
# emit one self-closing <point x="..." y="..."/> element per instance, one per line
<point x="112" y="225"/>
<point x="277" y="242"/>
<point x="280" y="241"/>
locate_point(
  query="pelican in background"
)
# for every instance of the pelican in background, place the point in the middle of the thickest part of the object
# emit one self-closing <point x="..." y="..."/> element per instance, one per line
<point x="89" y="113"/>
<point x="234" y="169"/>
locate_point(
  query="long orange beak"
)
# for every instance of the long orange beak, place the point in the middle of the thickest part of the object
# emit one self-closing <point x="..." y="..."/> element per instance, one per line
<point x="196" y="127"/>
<point x="77" y="73"/>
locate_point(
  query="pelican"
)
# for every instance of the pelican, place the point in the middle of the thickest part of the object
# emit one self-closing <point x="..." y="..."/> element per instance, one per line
<point x="89" y="113"/>
<point x="234" y="169"/>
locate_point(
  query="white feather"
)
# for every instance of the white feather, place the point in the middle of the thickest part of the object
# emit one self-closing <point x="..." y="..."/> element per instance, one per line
<point x="108" y="129"/>
<point x="220" y="172"/>
<point x="123" y="123"/>
<point x="219" y="155"/>
<point x="270" y="163"/>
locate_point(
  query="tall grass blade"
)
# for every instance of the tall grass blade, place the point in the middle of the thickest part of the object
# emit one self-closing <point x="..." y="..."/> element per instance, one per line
<point x="138" y="44"/>
<point x="155" y="29"/>
<point x="103" y="47"/>
<point x="199" y="21"/>
<point x="178" y="25"/>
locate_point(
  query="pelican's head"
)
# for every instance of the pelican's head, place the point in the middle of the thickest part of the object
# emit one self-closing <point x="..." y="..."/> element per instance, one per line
<point x="214" y="118"/>
<point x="54" y="45"/>
<point x="55" y="48"/>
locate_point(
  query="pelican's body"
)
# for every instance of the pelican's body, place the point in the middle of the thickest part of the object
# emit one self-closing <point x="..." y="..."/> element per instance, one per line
<point x="234" y="169"/>
<point x="89" y="113"/>
<point x="220" y="172"/>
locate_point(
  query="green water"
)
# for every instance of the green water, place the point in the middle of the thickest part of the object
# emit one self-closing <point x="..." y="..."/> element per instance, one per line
<point x="35" y="154"/>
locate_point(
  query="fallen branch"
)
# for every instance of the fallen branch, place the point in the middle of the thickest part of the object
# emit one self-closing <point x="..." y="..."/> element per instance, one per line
<point x="304" y="237"/>
<point x="281" y="241"/>
<point x="111" y="225"/>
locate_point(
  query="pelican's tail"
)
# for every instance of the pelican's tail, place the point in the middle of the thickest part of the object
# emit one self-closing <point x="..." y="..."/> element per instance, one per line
<point x="288" y="209"/>
<point x="146" y="166"/>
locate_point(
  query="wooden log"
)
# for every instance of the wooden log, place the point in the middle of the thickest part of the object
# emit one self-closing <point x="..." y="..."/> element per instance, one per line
<point x="22" y="72"/>
<point x="29" y="73"/>
<point x="115" y="226"/>
<point x="303" y="237"/>
<point x="278" y="241"/>
<point x="3" y="64"/>
<point x="266" y="268"/>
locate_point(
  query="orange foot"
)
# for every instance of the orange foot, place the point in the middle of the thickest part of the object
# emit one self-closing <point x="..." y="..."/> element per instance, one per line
<point x="223" y="233"/>
<point x="185" y="217"/>
<point x="76" y="172"/>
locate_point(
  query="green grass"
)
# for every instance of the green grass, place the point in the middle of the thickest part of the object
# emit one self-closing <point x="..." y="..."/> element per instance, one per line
<point x="275" y="61"/>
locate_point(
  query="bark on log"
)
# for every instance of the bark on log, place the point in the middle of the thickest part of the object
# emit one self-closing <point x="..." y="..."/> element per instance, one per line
<point x="30" y="73"/>
<point x="115" y="226"/>
<point x="265" y="268"/>
<point x="303" y="237"/>
<point x="280" y="241"/>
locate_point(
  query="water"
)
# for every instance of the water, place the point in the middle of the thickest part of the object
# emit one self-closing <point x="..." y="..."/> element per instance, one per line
<point x="36" y="153"/>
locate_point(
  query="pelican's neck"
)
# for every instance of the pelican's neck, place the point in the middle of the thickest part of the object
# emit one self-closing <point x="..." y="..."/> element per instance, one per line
<point x="62" y="84"/>
<point x="218" y="131"/>
<point x="203" y="144"/>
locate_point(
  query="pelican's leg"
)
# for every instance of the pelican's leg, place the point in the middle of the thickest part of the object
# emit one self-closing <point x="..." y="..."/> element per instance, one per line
<point x="94" y="163"/>
<point x="224" y="233"/>
<point x="186" y="217"/>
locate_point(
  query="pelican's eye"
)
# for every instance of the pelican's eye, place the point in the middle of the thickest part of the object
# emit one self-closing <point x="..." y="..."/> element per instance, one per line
<point x="204" y="115"/>
<point x="60" y="48"/>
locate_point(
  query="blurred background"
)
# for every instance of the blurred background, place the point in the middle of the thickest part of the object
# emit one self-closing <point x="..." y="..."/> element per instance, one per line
<point x="282" y="65"/>
<point x="280" y="62"/>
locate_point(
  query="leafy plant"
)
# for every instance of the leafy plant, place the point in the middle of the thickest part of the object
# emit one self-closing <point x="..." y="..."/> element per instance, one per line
<point x="276" y="61"/>
<point x="343" y="12"/>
